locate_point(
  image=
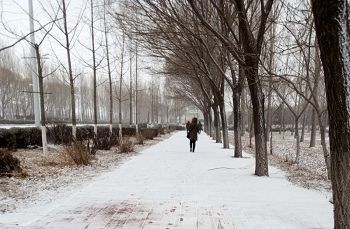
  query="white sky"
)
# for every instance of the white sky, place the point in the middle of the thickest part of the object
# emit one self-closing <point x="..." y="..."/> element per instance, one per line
<point x="14" y="15"/>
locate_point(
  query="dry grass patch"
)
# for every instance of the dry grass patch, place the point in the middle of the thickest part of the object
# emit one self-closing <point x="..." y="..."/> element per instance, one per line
<point x="126" y="146"/>
<point x="140" y="140"/>
<point x="76" y="154"/>
<point x="9" y="165"/>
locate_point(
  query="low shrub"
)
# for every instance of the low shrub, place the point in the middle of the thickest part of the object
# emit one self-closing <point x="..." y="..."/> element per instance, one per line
<point x="7" y="139"/>
<point x="129" y="131"/>
<point x="9" y="164"/>
<point x="161" y="130"/>
<point x="149" y="133"/>
<point x="105" y="139"/>
<point x="59" y="134"/>
<point x="176" y="127"/>
<point x="140" y="139"/>
<point x="126" y="146"/>
<point x="15" y="138"/>
<point x="76" y="154"/>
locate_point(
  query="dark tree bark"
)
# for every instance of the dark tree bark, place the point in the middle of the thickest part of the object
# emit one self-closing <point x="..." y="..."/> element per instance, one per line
<point x="217" y="124"/>
<point x="303" y="128"/>
<point x="42" y="101"/>
<point x="108" y="68"/>
<point x="332" y="30"/>
<point x="313" y="129"/>
<point x="224" y="124"/>
<point x="237" y="124"/>
<point x="94" y="66"/>
<point x="70" y="71"/>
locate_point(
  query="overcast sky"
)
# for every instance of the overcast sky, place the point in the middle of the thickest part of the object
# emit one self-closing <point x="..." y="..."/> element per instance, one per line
<point x="14" y="16"/>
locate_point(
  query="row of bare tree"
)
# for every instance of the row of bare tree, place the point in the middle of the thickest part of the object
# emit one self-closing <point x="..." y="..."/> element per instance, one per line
<point x="273" y="50"/>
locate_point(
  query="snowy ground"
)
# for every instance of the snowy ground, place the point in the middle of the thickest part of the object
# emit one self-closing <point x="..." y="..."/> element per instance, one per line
<point x="166" y="186"/>
<point x="310" y="172"/>
<point x="48" y="178"/>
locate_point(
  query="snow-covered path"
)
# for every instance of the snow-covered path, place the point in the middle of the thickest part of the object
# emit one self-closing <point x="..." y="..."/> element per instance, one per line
<point x="166" y="186"/>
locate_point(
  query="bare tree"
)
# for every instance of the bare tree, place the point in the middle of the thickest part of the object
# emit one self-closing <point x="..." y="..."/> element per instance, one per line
<point x="332" y="29"/>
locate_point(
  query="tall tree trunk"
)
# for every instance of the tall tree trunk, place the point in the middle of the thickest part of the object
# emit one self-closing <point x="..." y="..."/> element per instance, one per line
<point x="332" y="30"/>
<point x="130" y="92"/>
<point x="70" y="71"/>
<point x="120" y="99"/>
<point x="282" y="125"/>
<point x="268" y="112"/>
<point x="109" y="70"/>
<point x="237" y="123"/>
<point x="42" y="102"/>
<point x="297" y="139"/>
<point x="244" y="113"/>
<point x="210" y="116"/>
<point x="226" y="144"/>
<point x="217" y="124"/>
<point x="251" y="129"/>
<point x="303" y="128"/>
<point x="313" y="129"/>
<point x="257" y="97"/>
<point x="94" y="67"/>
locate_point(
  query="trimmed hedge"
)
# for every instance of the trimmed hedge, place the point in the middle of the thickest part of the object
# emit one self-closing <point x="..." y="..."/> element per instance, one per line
<point x="15" y="138"/>
<point x="20" y="137"/>
<point x="149" y="133"/>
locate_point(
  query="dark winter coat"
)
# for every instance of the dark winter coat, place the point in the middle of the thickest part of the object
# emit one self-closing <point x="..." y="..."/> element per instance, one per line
<point x="193" y="132"/>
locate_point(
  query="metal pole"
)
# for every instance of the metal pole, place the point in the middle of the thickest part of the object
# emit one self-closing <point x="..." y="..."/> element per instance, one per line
<point x="34" y="67"/>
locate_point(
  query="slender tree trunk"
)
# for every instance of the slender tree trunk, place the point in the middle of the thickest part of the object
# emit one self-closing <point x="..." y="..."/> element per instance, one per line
<point x="297" y="139"/>
<point x="211" y="124"/>
<point x="42" y="102"/>
<point x="226" y="144"/>
<point x="313" y="129"/>
<point x="70" y="71"/>
<point x="121" y="80"/>
<point x="244" y="113"/>
<point x="271" y="145"/>
<point x="251" y="130"/>
<point x="332" y="30"/>
<point x="268" y="113"/>
<point x="94" y="67"/>
<point x="205" y="123"/>
<point x="303" y="128"/>
<point x="217" y="124"/>
<point x="237" y="124"/>
<point x="109" y="70"/>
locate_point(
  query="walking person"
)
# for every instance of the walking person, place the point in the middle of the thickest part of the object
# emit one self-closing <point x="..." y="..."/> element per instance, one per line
<point x="188" y="126"/>
<point x="193" y="134"/>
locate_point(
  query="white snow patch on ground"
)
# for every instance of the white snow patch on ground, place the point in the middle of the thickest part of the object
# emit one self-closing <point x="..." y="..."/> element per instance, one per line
<point x="166" y="186"/>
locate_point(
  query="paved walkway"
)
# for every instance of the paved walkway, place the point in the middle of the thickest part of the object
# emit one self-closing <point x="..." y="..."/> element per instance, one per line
<point x="166" y="186"/>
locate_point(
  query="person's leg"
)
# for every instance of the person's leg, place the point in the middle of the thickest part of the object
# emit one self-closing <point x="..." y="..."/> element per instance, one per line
<point x="194" y="146"/>
<point x="191" y="145"/>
